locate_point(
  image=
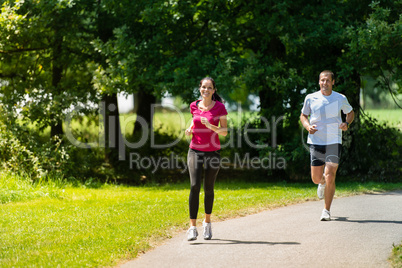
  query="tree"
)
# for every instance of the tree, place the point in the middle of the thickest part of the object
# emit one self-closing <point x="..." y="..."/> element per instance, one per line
<point x="375" y="45"/>
<point x="162" y="47"/>
<point x="46" y="60"/>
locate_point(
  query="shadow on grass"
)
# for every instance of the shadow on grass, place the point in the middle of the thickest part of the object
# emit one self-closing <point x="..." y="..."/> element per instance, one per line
<point x="231" y="185"/>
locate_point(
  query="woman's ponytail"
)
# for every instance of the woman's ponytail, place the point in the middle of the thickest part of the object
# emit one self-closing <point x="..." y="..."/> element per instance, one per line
<point x="216" y="97"/>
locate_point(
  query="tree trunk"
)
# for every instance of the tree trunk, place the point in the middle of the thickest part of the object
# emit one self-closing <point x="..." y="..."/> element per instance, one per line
<point x="350" y="136"/>
<point x="114" y="143"/>
<point x="57" y="70"/>
<point x="271" y="112"/>
<point x="355" y="99"/>
<point x="145" y="100"/>
<point x="136" y="103"/>
<point x="56" y="129"/>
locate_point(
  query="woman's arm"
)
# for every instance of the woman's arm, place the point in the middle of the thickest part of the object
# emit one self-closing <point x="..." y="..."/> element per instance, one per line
<point x="223" y="122"/>
<point x="189" y="131"/>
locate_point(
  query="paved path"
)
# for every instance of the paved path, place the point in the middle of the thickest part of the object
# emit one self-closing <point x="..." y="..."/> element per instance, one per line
<point x="361" y="234"/>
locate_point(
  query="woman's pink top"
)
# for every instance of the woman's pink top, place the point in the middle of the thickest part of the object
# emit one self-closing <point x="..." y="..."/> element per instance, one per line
<point x="203" y="138"/>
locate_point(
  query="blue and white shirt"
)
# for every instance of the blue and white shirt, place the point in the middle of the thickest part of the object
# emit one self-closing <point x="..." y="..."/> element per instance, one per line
<point x="325" y="113"/>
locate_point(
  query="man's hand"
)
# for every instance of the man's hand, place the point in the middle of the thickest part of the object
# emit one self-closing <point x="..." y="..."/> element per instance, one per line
<point x="344" y="126"/>
<point x="312" y="129"/>
<point x="305" y="122"/>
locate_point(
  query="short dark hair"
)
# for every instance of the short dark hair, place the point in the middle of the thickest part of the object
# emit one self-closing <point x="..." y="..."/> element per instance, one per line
<point x="327" y="72"/>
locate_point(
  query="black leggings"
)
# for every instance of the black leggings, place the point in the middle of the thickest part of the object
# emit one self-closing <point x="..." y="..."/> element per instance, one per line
<point x="198" y="161"/>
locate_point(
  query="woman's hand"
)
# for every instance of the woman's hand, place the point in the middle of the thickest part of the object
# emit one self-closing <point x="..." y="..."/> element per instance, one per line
<point x="222" y="130"/>
<point x="189" y="131"/>
<point x="205" y="122"/>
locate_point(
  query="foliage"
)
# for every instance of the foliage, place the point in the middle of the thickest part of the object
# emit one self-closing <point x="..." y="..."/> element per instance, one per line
<point x="242" y="138"/>
<point x="46" y="51"/>
<point x="375" y="45"/>
<point x="165" y="46"/>
<point x="25" y="153"/>
<point x="376" y="152"/>
<point x="161" y="160"/>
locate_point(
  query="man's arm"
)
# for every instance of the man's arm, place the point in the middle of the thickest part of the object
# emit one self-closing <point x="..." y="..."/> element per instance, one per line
<point x="349" y="119"/>
<point x="306" y="124"/>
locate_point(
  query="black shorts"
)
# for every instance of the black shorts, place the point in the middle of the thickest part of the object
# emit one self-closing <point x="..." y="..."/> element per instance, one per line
<point x="320" y="154"/>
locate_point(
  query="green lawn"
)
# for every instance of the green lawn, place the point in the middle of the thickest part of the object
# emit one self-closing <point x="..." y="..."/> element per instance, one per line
<point x="103" y="225"/>
<point x="391" y="117"/>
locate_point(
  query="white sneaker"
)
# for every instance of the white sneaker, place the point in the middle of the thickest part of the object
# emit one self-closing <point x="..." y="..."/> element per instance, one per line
<point x="192" y="233"/>
<point x="325" y="215"/>
<point x="207" y="230"/>
<point x="321" y="190"/>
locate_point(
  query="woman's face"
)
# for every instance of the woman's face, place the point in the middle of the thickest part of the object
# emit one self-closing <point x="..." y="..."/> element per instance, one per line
<point x="207" y="89"/>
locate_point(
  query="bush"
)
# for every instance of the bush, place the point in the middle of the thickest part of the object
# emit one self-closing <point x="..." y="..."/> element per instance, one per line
<point x="150" y="155"/>
<point x="25" y="153"/>
<point x="372" y="150"/>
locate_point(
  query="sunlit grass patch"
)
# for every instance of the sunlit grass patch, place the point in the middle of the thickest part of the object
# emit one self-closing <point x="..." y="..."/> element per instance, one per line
<point x="14" y="188"/>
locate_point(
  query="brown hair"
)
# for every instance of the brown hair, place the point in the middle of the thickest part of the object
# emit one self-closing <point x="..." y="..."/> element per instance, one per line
<point x="327" y="72"/>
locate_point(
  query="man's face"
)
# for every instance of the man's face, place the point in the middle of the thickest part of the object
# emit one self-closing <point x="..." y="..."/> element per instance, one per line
<point x="326" y="83"/>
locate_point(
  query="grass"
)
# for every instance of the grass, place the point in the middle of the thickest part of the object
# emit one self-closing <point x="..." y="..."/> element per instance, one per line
<point x="391" y="117"/>
<point x="103" y="225"/>
<point x="396" y="257"/>
<point x="14" y="188"/>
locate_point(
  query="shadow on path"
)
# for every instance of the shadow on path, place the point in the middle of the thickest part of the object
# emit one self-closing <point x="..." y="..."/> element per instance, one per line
<point x="238" y="242"/>
<point x="364" y="221"/>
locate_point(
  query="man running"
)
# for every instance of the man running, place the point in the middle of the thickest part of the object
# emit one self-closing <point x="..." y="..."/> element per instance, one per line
<point x="325" y="128"/>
